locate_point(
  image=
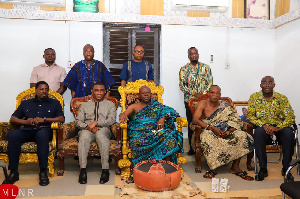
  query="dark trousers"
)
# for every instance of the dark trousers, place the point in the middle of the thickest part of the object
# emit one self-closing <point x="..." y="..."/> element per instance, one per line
<point x="285" y="137"/>
<point x="17" y="137"/>
<point x="189" y="119"/>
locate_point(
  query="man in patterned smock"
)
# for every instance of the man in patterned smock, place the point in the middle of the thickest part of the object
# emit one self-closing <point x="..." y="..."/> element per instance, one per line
<point x="272" y="114"/>
<point x="222" y="139"/>
<point x="151" y="129"/>
<point x="87" y="72"/>
<point x="195" y="78"/>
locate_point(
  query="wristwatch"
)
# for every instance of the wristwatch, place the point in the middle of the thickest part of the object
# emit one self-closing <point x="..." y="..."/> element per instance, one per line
<point x="45" y="119"/>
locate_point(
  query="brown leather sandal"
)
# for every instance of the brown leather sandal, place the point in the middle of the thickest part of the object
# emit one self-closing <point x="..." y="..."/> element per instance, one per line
<point x="210" y="174"/>
<point x="244" y="175"/>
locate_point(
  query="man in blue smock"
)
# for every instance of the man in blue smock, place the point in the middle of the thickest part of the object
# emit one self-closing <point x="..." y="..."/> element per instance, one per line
<point x="87" y="72"/>
<point x="137" y="68"/>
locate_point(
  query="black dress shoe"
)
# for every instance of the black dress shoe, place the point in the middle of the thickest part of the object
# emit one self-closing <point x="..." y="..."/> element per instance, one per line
<point x="44" y="180"/>
<point x="261" y="175"/>
<point x="82" y="176"/>
<point x="12" y="178"/>
<point x="104" y="176"/>
<point x="191" y="152"/>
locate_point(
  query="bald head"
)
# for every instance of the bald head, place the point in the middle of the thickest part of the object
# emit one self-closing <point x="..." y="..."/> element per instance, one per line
<point x="267" y="78"/>
<point x="145" y="94"/>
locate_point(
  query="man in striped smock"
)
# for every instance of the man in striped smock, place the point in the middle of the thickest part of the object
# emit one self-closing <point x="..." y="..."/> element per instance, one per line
<point x="195" y="79"/>
<point x="87" y="72"/>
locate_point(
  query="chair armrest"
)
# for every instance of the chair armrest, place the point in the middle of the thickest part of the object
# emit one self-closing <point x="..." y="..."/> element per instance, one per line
<point x="198" y="130"/>
<point x="55" y="126"/>
<point x="248" y="128"/>
<point x="116" y="130"/>
<point x="294" y="162"/>
<point x="5" y="128"/>
<point x="182" y="122"/>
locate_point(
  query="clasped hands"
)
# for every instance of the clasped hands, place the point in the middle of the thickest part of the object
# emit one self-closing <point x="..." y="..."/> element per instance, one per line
<point x="219" y="133"/>
<point x="34" y="121"/>
<point x="270" y="129"/>
<point x="93" y="127"/>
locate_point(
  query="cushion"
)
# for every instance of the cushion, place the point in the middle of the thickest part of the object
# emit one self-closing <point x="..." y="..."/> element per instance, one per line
<point x="156" y="175"/>
<point x="28" y="147"/>
<point x="72" y="144"/>
<point x="291" y="189"/>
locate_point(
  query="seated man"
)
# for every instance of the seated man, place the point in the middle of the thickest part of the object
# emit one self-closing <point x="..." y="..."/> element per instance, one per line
<point x="272" y="114"/>
<point x="35" y="115"/>
<point x="151" y="130"/>
<point x="94" y="120"/>
<point x="222" y="139"/>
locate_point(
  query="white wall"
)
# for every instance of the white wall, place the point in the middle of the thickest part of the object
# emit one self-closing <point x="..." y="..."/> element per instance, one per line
<point x="250" y="53"/>
<point x="287" y="71"/>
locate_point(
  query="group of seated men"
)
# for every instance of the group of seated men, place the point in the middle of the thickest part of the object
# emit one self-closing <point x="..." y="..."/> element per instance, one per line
<point x="151" y="128"/>
<point x="223" y="141"/>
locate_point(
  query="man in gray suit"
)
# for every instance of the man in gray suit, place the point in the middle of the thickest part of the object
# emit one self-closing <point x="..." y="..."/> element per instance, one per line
<point x="94" y="120"/>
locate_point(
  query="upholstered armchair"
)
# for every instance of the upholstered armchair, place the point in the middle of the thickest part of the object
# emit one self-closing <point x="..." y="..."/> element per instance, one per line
<point x="130" y="95"/>
<point x="29" y="149"/>
<point x="68" y="138"/>
<point x="193" y="103"/>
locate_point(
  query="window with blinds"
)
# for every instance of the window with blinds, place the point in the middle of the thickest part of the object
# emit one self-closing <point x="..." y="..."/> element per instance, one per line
<point x="119" y="41"/>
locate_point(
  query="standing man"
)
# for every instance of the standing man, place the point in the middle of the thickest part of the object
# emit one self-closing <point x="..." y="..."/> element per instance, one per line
<point x="87" y="72"/>
<point x="272" y="114"/>
<point x="49" y="72"/>
<point x="94" y="120"/>
<point x="137" y="68"/>
<point x="195" y="79"/>
<point x="35" y="117"/>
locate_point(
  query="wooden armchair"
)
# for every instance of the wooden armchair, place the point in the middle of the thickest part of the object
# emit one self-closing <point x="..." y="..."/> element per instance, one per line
<point x="29" y="149"/>
<point x="68" y="138"/>
<point x="129" y="95"/>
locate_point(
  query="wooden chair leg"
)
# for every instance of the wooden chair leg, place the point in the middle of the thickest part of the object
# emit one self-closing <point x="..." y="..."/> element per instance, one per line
<point x="198" y="156"/>
<point x="61" y="160"/>
<point x="51" y="165"/>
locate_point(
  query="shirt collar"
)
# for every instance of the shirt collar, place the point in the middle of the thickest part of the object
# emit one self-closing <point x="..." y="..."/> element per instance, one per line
<point x="275" y="95"/>
<point x="93" y="62"/>
<point x="46" y="65"/>
<point x="35" y="99"/>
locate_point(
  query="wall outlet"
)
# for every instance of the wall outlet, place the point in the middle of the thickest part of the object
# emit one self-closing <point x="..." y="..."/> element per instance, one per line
<point x="70" y="64"/>
<point x="227" y="65"/>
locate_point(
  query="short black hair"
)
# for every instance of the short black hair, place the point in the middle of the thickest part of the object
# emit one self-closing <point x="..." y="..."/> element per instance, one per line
<point x="244" y="108"/>
<point x="97" y="83"/>
<point x="192" y="48"/>
<point x="215" y="86"/>
<point x="41" y="82"/>
<point x="49" y="49"/>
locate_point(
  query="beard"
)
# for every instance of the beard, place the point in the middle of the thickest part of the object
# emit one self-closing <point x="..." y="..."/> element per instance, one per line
<point x="194" y="62"/>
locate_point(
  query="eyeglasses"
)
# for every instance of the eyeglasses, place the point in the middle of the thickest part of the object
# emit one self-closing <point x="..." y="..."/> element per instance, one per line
<point x="139" y="51"/>
<point x="269" y="83"/>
